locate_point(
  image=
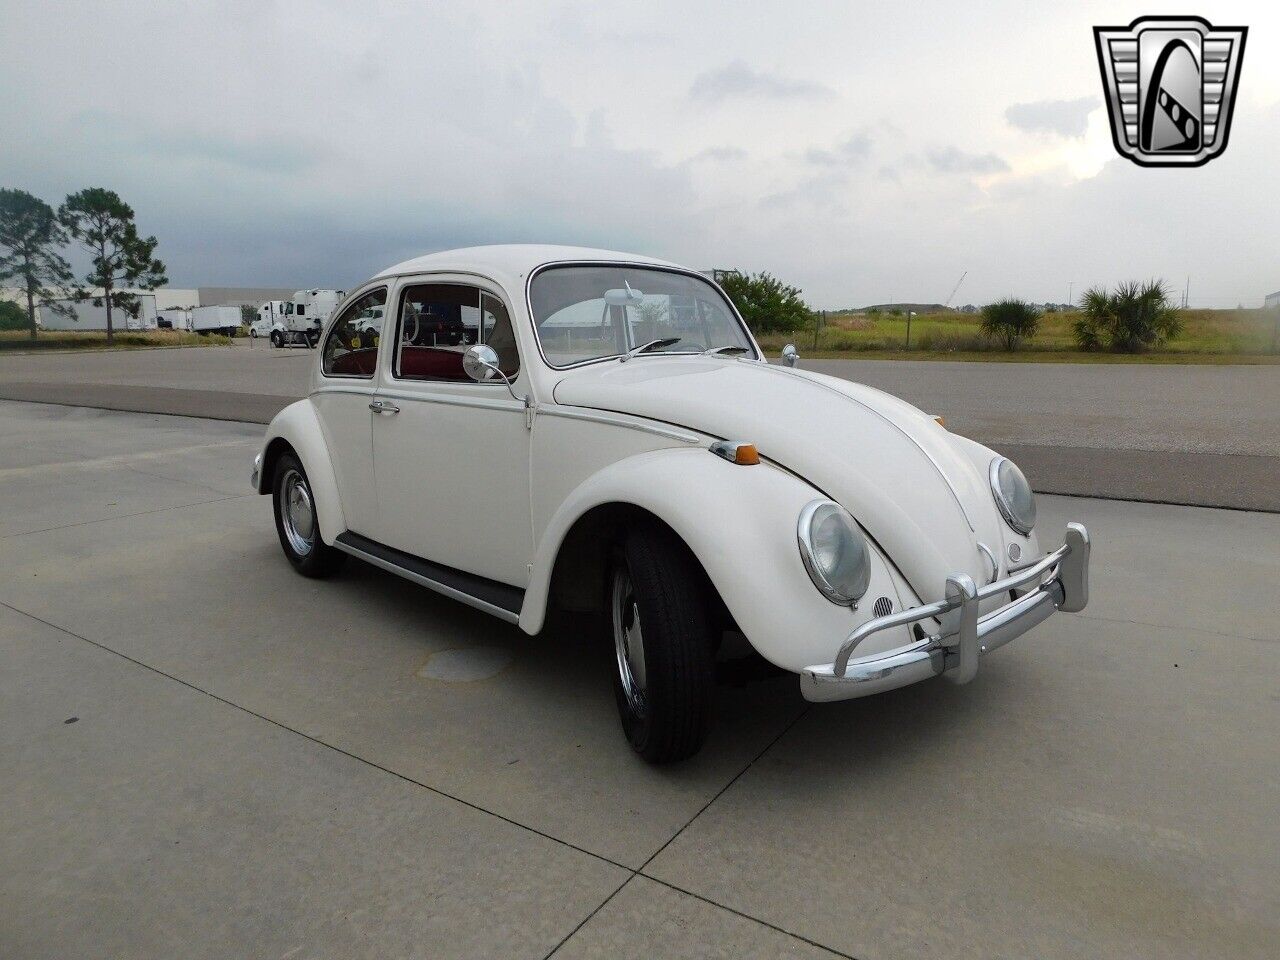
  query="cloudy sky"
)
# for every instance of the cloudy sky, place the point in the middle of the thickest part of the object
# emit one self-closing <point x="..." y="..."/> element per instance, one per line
<point x="865" y="152"/>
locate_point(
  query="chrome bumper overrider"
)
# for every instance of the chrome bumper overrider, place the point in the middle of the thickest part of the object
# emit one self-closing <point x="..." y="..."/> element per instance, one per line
<point x="257" y="471"/>
<point x="963" y="637"/>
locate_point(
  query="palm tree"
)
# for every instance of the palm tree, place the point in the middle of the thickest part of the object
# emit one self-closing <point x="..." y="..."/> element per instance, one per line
<point x="1133" y="318"/>
<point x="1010" y="321"/>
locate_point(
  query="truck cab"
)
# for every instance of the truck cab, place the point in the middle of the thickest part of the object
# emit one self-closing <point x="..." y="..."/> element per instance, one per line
<point x="302" y="316"/>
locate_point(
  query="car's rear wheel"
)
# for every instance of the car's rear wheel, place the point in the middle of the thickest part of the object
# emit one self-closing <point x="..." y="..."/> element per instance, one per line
<point x="277" y="338"/>
<point x="297" y="522"/>
<point x="658" y="616"/>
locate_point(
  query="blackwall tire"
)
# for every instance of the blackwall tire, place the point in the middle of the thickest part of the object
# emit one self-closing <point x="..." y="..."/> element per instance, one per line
<point x="658" y="620"/>
<point x="297" y="523"/>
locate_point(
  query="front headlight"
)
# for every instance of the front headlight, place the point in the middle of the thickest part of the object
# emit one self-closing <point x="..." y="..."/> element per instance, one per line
<point x="834" y="552"/>
<point x="1013" y="495"/>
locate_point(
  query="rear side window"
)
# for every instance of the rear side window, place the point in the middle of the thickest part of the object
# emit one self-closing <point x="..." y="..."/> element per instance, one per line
<point x="351" y="349"/>
<point x="439" y="321"/>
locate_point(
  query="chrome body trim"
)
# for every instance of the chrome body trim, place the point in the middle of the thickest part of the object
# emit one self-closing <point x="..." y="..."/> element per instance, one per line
<point x="468" y="599"/>
<point x="482" y="403"/>
<point x="575" y="413"/>
<point x="995" y="564"/>
<point x="962" y="637"/>
<point x="256" y="476"/>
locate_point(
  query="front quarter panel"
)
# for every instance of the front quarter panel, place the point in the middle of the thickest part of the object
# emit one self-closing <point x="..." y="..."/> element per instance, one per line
<point x="740" y="523"/>
<point x="298" y="427"/>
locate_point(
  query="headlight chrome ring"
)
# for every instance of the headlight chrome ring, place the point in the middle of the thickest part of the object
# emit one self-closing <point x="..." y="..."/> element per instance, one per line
<point x="1013" y="495"/>
<point x="834" y="552"/>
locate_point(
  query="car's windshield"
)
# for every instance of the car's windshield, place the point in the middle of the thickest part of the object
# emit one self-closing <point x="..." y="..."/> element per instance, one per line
<point x="588" y="312"/>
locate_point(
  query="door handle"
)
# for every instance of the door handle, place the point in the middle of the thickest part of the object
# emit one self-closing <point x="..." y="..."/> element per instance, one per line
<point x="383" y="406"/>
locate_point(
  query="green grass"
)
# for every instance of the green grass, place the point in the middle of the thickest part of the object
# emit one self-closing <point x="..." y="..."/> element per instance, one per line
<point x="1208" y="336"/>
<point x="19" y="341"/>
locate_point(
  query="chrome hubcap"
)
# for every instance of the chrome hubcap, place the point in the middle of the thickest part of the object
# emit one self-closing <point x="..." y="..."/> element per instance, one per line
<point x="628" y="641"/>
<point x="298" y="513"/>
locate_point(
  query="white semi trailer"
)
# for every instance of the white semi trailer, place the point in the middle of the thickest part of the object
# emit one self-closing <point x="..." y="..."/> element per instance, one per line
<point x="85" y="316"/>
<point x="219" y="319"/>
<point x="303" y="316"/>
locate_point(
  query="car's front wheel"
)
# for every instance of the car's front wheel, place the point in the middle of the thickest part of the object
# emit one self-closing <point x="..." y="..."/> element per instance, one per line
<point x="658" y="615"/>
<point x="297" y="522"/>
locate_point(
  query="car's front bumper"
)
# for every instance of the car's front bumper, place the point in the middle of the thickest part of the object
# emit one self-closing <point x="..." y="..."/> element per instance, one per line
<point x="1058" y="581"/>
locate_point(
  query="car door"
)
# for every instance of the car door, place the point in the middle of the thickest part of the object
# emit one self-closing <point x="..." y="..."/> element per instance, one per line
<point x="451" y="454"/>
<point x="345" y="388"/>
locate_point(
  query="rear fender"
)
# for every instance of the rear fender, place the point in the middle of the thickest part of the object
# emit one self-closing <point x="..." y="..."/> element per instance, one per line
<point x="296" y="426"/>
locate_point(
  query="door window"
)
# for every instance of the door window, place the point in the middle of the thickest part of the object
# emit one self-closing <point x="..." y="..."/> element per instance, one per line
<point x="439" y="321"/>
<point x="351" y="349"/>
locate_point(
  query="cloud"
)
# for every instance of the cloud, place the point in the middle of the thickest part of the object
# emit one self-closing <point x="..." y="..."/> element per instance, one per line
<point x="1066" y="118"/>
<point x="721" y="154"/>
<point x="851" y="150"/>
<point x="952" y="160"/>
<point x="739" y="81"/>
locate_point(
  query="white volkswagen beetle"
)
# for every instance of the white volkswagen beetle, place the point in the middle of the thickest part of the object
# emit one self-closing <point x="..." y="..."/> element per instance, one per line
<point x="533" y="425"/>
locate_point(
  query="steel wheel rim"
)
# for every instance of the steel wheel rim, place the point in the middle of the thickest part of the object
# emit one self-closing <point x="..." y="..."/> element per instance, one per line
<point x="298" y="513"/>
<point x="628" y="641"/>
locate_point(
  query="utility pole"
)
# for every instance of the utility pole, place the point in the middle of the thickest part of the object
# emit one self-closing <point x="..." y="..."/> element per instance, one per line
<point x="1070" y="286"/>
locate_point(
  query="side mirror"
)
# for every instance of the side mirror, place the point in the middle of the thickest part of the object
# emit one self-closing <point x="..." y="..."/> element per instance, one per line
<point x="481" y="363"/>
<point x="789" y="355"/>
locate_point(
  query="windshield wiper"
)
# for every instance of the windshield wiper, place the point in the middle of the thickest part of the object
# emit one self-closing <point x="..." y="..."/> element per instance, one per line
<point x="646" y="347"/>
<point x="727" y="348"/>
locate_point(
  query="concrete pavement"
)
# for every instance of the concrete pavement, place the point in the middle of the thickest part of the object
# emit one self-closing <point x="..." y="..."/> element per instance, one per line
<point x="266" y="765"/>
<point x="1200" y="435"/>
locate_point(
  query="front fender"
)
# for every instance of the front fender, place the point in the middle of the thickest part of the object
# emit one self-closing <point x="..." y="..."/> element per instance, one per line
<point x="298" y="427"/>
<point x="740" y="523"/>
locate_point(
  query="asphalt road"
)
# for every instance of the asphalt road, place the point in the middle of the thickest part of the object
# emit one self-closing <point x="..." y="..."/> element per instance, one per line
<point x="1186" y="434"/>
<point x="206" y="755"/>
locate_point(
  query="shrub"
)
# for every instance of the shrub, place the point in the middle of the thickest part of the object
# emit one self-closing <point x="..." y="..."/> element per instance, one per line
<point x="1132" y="318"/>
<point x="1010" y="321"/>
<point x="766" y="303"/>
<point x="12" y="316"/>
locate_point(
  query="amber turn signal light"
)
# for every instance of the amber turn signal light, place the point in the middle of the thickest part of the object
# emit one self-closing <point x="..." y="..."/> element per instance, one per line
<point x="736" y="451"/>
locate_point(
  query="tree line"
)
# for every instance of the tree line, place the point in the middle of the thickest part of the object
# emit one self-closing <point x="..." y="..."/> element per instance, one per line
<point x="1131" y="318"/>
<point x="33" y="236"/>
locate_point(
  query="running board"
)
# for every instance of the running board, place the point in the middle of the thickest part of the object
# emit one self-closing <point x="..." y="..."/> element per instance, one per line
<point x="499" y="599"/>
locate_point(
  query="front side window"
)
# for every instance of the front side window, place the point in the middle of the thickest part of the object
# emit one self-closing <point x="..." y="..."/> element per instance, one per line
<point x="584" y="313"/>
<point x="351" y="349"/>
<point x="439" y="321"/>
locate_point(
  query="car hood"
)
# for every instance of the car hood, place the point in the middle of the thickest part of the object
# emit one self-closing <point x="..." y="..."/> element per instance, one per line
<point x="898" y="472"/>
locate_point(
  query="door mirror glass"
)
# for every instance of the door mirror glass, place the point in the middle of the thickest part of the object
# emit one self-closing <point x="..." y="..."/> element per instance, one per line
<point x="789" y="355"/>
<point x="481" y="362"/>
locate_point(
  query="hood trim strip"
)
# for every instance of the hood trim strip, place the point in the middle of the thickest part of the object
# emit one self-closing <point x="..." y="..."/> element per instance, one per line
<point x="569" y="413"/>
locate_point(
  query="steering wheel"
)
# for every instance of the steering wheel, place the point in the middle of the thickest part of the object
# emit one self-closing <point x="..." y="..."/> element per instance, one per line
<point x="405" y="335"/>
